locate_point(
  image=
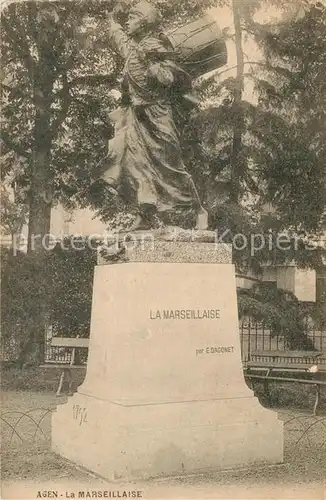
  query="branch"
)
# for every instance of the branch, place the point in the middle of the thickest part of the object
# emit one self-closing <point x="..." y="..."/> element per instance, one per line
<point x="4" y="136"/>
<point x="20" y="46"/>
<point x="14" y="91"/>
<point x="99" y="113"/>
<point x="6" y="87"/>
<point x="94" y="80"/>
<point x="283" y="71"/>
<point x="255" y="29"/>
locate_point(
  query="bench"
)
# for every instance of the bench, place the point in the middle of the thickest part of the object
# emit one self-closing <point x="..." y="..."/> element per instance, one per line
<point x="313" y="363"/>
<point x="295" y="361"/>
<point x="291" y="358"/>
<point x="71" y="344"/>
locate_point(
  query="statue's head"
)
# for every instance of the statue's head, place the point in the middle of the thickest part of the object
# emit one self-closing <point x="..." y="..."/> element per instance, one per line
<point x="142" y="16"/>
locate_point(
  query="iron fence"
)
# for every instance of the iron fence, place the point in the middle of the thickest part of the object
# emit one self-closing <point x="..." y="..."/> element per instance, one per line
<point x="256" y="336"/>
<point x="63" y="355"/>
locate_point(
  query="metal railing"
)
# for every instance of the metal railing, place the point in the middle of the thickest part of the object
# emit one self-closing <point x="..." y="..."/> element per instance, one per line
<point x="33" y="427"/>
<point x="256" y="336"/>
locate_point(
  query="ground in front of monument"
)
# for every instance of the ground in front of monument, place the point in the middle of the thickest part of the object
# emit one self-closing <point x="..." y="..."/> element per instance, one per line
<point x="31" y="470"/>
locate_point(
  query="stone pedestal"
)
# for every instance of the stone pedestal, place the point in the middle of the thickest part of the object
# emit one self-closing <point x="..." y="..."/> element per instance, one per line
<point x="164" y="391"/>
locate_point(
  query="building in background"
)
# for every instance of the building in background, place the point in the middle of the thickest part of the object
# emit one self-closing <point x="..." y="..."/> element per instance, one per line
<point x="301" y="282"/>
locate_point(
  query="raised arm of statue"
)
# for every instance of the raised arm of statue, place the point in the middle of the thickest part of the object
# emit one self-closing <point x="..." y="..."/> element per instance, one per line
<point x="119" y="38"/>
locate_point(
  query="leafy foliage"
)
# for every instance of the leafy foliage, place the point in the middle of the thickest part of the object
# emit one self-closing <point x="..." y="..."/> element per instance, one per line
<point x="65" y="292"/>
<point x="267" y="157"/>
<point x="13" y="211"/>
<point x="278" y="310"/>
<point x="295" y="107"/>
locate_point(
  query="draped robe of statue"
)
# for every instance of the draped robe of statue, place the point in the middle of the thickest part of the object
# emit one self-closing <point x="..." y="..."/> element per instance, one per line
<point x="145" y="152"/>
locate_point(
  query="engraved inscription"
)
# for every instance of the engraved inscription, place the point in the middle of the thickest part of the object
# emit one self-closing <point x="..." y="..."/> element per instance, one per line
<point x="184" y="314"/>
<point x="215" y="350"/>
<point x="79" y="414"/>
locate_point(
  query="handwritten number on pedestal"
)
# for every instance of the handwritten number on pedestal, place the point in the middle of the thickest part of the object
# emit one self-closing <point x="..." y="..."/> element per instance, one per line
<point x="80" y="414"/>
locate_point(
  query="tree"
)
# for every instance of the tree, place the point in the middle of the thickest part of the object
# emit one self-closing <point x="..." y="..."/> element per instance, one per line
<point x="41" y="56"/>
<point x="296" y="95"/>
<point x="43" y="67"/>
<point x="271" y="160"/>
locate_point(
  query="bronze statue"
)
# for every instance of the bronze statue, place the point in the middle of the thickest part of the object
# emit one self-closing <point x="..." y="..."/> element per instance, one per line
<point x="146" y="150"/>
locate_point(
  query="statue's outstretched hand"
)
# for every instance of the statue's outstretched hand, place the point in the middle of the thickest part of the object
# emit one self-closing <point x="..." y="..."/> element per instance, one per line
<point x="121" y="9"/>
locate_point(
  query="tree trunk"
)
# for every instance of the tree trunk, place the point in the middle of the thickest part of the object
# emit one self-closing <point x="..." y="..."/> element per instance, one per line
<point x="237" y="166"/>
<point x="41" y="181"/>
<point x="40" y="214"/>
<point x="40" y="205"/>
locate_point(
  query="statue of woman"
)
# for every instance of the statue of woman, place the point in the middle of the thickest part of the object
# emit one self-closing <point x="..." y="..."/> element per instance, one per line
<point x="145" y="151"/>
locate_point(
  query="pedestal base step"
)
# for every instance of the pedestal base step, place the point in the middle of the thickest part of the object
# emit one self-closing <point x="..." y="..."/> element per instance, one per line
<point x="140" y="442"/>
